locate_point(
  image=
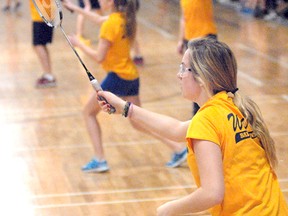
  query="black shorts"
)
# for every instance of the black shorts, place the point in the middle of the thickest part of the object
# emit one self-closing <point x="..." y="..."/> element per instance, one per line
<point x="94" y="4"/>
<point x="42" y="33"/>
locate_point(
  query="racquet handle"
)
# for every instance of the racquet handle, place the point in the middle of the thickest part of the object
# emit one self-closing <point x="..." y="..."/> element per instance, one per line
<point x="97" y="88"/>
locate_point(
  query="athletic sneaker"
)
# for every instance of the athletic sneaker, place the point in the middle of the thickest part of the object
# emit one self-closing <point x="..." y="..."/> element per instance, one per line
<point x="270" y="16"/>
<point x="95" y="166"/>
<point x="177" y="159"/>
<point x="138" y="60"/>
<point x="44" y="82"/>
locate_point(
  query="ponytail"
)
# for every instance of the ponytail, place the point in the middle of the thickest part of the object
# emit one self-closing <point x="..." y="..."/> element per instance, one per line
<point x="252" y="113"/>
<point x="129" y="8"/>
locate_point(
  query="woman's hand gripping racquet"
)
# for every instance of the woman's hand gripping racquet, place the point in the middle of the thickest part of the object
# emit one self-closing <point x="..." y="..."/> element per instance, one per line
<point x="51" y="13"/>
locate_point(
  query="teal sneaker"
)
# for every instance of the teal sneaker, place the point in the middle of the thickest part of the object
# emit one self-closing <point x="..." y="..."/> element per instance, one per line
<point x="177" y="159"/>
<point x="95" y="166"/>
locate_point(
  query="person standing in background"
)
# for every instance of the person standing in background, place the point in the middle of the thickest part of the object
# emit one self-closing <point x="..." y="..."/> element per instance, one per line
<point x="42" y="35"/>
<point x="197" y="21"/>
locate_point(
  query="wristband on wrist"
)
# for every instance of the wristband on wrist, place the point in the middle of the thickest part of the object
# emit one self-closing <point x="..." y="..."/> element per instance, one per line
<point x="126" y="109"/>
<point x="130" y="110"/>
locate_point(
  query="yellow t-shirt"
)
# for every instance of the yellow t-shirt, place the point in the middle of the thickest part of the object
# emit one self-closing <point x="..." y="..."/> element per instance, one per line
<point x="118" y="57"/>
<point x="199" y="20"/>
<point x="34" y="14"/>
<point x="251" y="186"/>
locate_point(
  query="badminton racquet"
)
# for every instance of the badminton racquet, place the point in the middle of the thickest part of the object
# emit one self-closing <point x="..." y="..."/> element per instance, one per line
<point x="51" y="13"/>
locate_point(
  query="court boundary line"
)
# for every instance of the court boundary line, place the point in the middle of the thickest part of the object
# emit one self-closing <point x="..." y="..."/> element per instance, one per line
<point x="146" y="189"/>
<point x="262" y="55"/>
<point x="250" y="78"/>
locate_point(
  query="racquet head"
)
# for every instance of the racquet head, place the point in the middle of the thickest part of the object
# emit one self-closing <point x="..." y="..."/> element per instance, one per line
<point x="50" y="11"/>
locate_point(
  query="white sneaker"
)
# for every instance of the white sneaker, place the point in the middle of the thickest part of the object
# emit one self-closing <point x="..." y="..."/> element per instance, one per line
<point x="270" y="16"/>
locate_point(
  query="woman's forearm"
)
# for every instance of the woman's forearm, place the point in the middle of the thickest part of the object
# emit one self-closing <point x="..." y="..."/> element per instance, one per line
<point x="89" y="51"/>
<point x="94" y="17"/>
<point x="162" y="125"/>
<point x="199" y="200"/>
<point x="165" y="126"/>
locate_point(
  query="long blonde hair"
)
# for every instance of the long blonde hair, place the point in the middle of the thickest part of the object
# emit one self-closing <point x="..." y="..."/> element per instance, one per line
<point x="128" y="7"/>
<point x="213" y="63"/>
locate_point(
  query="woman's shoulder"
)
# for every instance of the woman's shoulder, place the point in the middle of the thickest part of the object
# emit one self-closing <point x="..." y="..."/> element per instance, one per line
<point x="115" y="16"/>
<point x="113" y="20"/>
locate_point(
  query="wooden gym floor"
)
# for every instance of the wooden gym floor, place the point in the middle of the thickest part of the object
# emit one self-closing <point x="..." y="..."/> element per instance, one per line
<point x="44" y="141"/>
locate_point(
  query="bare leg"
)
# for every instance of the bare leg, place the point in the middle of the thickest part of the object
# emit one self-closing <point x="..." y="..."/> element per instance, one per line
<point x="90" y="112"/>
<point x="8" y="2"/>
<point x="44" y="57"/>
<point x="47" y="79"/>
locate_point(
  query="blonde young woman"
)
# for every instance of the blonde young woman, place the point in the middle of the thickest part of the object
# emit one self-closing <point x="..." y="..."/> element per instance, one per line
<point x="117" y="33"/>
<point x="230" y="151"/>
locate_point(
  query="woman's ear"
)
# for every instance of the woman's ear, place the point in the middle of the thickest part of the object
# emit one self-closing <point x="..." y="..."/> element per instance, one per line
<point x="200" y="81"/>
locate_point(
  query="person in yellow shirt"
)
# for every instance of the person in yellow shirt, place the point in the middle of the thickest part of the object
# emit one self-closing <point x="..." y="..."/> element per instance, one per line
<point x="197" y="21"/>
<point x="230" y="151"/>
<point x="42" y="35"/>
<point x="117" y="33"/>
<point x="95" y="7"/>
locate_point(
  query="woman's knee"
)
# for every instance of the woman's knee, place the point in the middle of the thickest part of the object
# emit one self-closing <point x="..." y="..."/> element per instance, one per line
<point x="91" y="108"/>
<point x="88" y="111"/>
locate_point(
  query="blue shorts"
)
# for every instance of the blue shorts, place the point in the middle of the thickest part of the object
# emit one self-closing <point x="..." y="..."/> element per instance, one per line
<point x="42" y="33"/>
<point x="119" y="86"/>
<point x="94" y="4"/>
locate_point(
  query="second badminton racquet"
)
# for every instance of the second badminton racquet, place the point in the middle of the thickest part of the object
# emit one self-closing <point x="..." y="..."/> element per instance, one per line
<point x="51" y="12"/>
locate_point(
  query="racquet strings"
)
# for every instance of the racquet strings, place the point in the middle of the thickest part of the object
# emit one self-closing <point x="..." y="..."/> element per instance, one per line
<point x="49" y="11"/>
